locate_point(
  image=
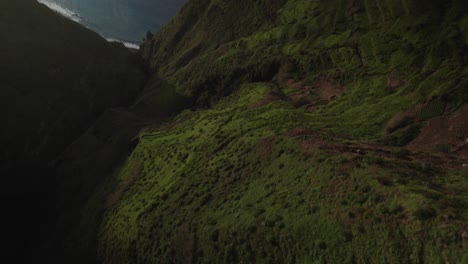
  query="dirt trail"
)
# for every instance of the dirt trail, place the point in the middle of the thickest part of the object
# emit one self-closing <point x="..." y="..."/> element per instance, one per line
<point x="443" y="141"/>
<point x="309" y="140"/>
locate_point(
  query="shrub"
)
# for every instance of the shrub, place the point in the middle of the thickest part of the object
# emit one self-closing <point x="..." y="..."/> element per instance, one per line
<point x="433" y="109"/>
<point x="403" y="136"/>
<point x="425" y="213"/>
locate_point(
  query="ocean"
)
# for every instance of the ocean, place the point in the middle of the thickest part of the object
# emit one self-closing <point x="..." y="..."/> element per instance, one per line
<point x="125" y="21"/>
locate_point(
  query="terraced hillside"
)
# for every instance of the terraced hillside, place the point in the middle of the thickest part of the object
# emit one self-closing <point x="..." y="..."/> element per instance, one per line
<point x="322" y="132"/>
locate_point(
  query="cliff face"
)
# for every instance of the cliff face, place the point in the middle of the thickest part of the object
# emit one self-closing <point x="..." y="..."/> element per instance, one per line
<point x="202" y="32"/>
<point x="56" y="78"/>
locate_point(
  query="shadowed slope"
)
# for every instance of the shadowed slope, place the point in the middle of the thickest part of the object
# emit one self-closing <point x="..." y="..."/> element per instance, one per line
<point x="56" y="78"/>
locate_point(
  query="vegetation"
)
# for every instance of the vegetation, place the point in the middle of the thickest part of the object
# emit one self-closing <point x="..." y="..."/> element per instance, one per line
<point x="291" y="167"/>
<point x="233" y="184"/>
<point x="278" y="132"/>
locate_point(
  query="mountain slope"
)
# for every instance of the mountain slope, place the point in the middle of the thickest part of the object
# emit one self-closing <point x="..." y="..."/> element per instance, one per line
<point x="50" y="78"/>
<point x="320" y="153"/>
<point x="262" y="184"/>
<point x="57" y="77"/>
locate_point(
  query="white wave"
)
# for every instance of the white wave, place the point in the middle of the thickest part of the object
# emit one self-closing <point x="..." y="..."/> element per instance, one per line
<point x="61" y="10"/>
<point x="126" y="44"/>
<point x="77" y="18"/>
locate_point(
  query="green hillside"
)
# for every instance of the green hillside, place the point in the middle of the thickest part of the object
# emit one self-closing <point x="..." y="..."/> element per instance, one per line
<point x="267" y="185"/>
<point x="269" y="131"/>
<point x="322" y="132"/>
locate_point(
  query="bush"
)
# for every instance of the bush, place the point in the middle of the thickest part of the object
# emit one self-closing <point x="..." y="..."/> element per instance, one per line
<point x="425" y="213"/>
<point x="433" y="109"/>
<point x="403" y="136"/>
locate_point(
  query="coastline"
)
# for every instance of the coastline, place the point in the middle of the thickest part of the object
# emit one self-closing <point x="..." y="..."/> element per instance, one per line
<point x="72" y="15"/>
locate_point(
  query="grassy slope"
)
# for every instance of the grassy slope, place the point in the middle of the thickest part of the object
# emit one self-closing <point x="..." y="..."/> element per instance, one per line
<point x="209" y="189"/>
<point x="230" y="184"/>
<point x="400" y="38"/>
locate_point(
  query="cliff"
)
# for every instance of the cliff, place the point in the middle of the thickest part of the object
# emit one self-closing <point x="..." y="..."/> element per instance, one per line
<point x="56" y="78"/>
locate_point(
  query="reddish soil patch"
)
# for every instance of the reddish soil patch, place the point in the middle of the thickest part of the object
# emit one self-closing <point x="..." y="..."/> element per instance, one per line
<point x="311" y="109"/>
<point x="327" y="90"/>
<point x="169" y="125"/>
<point x="360" y="149"/>
<point x="264" y="147"/>
<point x="298" y="96"/>
<point x="183" y="244"/>
<point x="310" y="144"/>
<point x="298" y="85"/>
<point x="446" y="161"/>
<point x="300" y="131"/>
<point x="448" y="133"/>
<point x="324" y="88"/>
<point x="265" y="101"/>
<point x="300" y="99"/>
<point x="395" y="83"/>
<point x="125" y="183"/>
<point x="355" y="6"/>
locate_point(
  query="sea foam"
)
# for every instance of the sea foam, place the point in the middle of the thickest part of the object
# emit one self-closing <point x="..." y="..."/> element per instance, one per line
<point x="77" y="18"/>
<point x="61" y="10"/>
<point x="126" y="44"/>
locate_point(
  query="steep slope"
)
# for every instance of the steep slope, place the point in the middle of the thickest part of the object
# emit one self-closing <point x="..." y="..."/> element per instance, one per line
<point x="308" y="142"/>
<point x="57" y="77"/>
<point x="206" y="45"/>
<point x="54" y="80"/>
